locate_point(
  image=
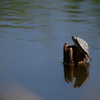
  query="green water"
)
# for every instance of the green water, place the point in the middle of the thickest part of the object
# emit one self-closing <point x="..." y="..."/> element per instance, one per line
<point x="32" y="35"/>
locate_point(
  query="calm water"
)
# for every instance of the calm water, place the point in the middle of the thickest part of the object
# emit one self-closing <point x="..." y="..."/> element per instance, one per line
<point x="32" y="35"/>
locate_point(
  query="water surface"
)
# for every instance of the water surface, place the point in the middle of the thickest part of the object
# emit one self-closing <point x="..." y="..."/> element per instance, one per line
<point x="32" y="35"/>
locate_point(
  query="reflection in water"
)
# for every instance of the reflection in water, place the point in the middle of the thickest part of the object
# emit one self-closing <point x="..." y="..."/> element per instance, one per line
<point x="80" y="72"/>
<point x="34" y="17"/>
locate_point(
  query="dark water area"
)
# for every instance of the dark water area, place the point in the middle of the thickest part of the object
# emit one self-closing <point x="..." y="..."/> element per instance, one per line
<point x="32" y="35"/>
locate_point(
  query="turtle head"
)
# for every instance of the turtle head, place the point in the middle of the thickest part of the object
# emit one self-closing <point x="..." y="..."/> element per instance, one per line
<point x="73" y="38"/>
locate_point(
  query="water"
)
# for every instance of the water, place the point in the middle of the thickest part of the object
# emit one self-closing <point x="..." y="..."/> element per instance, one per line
<point x="32" y="35"/>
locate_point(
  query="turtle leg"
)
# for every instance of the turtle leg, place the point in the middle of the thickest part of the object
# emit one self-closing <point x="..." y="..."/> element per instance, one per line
<point x="87" y="60"/>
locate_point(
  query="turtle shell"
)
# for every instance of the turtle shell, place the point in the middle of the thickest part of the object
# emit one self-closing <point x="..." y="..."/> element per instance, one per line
<point x="82" y="45"/>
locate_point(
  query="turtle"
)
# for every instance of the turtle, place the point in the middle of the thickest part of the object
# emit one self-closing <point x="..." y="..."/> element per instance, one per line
<point x="82" y="46"/>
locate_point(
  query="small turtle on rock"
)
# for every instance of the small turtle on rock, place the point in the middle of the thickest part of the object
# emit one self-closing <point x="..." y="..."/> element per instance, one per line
<point x="82" y="46"/>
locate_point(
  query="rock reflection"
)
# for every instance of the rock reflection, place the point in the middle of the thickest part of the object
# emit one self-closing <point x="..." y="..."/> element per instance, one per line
<point x="80" y="72"/>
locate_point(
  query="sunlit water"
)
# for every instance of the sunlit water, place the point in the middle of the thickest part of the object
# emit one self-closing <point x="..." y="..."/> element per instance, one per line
<point x="32" y="35"/>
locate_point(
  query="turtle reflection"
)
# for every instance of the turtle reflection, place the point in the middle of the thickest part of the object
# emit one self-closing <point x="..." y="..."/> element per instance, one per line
<point x="80" y="72"/>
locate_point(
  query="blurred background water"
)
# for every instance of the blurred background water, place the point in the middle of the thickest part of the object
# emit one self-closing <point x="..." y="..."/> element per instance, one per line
<point x="32" y="35"/>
